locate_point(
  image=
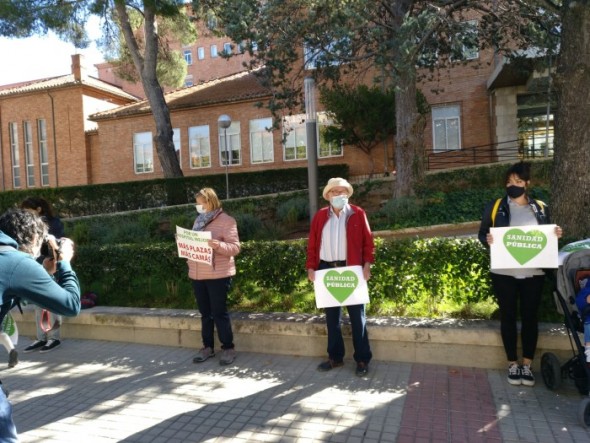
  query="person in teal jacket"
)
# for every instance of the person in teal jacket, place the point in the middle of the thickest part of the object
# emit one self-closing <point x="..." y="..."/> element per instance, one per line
<point x="52" y="285"/>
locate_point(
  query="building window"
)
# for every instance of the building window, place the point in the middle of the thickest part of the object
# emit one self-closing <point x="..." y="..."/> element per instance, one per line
<point x="199" y="147"/>
<point x="326" y="148"/>
<point x="200" y="53"/>
<point x="233" y="148"/>
<point x="43" y="151"/>
<point x="177" y="145"/>
<point x="331" y="55"/>
<point x="242" y="47"/>
<point x="213" y="51"/>
<point x="295" y="138"/>
<point x="227" y="48"/>
<point x="211" y="21"/>
<point x="188" y="81"/>
<point x="446" y="128"/>
<point x="469" y="40"/>
<point x="535" y="135"/>
<point x="143" y="152"/>
<point x="29" y="156"/>
<point x="261" y="141"/>
<point x="14" y="154"/>
<point x="188" y="57"/>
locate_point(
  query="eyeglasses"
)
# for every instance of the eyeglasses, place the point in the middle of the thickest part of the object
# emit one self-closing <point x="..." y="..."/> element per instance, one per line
<point x="338" y="192"/>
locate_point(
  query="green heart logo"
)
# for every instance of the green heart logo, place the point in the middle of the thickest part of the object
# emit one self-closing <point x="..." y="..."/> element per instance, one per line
<point x="524" y="246"/>
<point x="340" y="284"/>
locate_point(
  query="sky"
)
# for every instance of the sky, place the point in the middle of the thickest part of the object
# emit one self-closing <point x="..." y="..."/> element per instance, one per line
<point x="44" y="56"/>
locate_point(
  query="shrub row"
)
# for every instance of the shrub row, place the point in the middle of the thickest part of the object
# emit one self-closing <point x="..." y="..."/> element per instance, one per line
<point x="75" y="201"/>
<point x="405" y="272"/>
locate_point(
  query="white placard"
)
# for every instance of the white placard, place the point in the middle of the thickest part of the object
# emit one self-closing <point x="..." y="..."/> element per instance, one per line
<point x="342" y="286"/>
<point x="192" y="245"/>
<point x="524" y="247"/>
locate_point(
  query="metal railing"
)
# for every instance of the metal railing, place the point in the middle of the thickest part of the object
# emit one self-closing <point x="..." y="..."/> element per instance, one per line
<point x="511" y="150"/>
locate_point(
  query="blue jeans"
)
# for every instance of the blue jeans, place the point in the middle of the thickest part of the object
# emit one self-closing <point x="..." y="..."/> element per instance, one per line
<point x="211" y="297"/>
<point x="7" y="428"/>
<point x="360" y="336"/>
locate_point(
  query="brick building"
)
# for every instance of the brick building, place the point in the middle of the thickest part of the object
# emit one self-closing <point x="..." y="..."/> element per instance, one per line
<point x="127" y="152"/>
<point x="43" y="126"/>
<point x="91" y="131"/>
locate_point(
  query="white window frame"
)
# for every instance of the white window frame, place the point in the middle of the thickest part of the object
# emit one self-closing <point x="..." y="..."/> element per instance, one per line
<point x="14" y="154"/>
<point x="188" y="81"/>
<point x="295" y="138"/>
<point x="467" y="52"/>
<point x="227" y="49"/>
<point x="43" y="151"/>
<point x="177" y="145"/>
<point x="199" y="142"/>
<point x="446" y="128"/>
<point x="234" y="145"/>
<point x="213" y="51"/>
<point x="201" y="52"/>
<point x="311" y="55"/>
<point x="327" y="149"/>
<point x="261" y="141"/>
<point x="143" y="151"/>
<point x="29" y="155"/>
<point x="188" y="57"/>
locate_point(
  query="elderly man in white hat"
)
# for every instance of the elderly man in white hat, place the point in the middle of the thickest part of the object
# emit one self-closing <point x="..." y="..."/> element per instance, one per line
<point x="340" y="236"/>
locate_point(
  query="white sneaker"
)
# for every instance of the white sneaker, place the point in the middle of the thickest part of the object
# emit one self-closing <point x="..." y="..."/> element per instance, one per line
<point x="514" y="377"/>
<point x="527" y="376"/>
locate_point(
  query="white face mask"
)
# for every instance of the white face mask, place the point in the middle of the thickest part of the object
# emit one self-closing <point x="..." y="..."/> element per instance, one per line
<point x="200" y="209"/>
<point x="339" y="201"/>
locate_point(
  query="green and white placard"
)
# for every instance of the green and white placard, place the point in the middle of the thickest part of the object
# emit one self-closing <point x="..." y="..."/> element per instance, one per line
<point x="340" y="287"/>
<point x="524" y="247"/>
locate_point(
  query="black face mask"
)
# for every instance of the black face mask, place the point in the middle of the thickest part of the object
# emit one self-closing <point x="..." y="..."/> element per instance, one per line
<point x="514" y="191"/>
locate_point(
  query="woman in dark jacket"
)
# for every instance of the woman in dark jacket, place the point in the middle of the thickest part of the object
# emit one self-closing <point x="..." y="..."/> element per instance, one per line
<point x="514" y="287"/>
<point x="48" y="323"/>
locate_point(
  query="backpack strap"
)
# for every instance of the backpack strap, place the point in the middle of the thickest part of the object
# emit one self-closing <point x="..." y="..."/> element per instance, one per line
<point x="495" y="211"/>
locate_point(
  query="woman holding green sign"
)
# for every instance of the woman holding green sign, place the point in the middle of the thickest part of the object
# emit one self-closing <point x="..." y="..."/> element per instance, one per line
<point x="517" y="290"/>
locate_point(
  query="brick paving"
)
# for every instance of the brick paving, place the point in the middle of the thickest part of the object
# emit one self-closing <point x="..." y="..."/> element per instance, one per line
<point x="98" y="391"/>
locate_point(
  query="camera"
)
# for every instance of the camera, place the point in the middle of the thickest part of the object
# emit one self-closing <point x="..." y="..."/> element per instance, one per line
<point x="50" y="246"/>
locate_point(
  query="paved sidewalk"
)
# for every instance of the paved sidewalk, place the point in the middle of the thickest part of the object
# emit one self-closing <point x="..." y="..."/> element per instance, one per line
<point x="96" y="391"/>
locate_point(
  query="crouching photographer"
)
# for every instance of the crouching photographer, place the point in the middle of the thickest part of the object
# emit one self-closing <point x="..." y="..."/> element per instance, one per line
<point x="52" y="285"/>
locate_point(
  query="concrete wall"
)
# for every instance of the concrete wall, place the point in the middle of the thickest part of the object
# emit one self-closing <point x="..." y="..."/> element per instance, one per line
<point x="471" y="343"/>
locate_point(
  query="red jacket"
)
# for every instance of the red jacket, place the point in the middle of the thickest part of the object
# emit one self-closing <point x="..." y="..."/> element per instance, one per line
<point x="360" y="247"/>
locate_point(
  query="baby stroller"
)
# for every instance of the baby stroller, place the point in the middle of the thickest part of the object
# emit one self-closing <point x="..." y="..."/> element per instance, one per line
<point x="575" y="266"/>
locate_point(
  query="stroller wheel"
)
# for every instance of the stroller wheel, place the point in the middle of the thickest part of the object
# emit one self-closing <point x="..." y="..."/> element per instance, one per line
<point x="551" y="371"/>
<point x="584" y="412"/>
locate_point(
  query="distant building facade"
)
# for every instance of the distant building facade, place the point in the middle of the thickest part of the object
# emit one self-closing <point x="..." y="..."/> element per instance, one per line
<point x="75" y="129"/>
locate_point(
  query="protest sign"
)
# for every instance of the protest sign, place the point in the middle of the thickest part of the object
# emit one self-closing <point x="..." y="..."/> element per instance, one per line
<point x="193" y="245"/>
<point x="340" y="287"/>
<point x="524" y="247"/>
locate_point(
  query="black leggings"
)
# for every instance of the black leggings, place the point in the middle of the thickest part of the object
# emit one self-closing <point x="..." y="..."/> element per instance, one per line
<point x="510" y="292"/>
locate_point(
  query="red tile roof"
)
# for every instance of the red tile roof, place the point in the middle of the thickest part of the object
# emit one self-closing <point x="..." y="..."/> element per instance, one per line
<point x="232" y="88"/>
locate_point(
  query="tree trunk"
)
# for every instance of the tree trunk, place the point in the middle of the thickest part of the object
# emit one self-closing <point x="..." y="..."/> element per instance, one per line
<point x="570" y="187"/>
<point x="409" y="138"/>
<point x="146" y="67"/>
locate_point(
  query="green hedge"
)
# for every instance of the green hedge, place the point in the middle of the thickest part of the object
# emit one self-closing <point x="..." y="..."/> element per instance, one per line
<point x="410" y="277"/>
<point x="75" y="201"/>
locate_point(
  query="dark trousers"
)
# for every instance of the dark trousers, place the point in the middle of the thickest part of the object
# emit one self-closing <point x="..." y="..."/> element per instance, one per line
<point x="514" y="296"/>
<point x="360" y="336"/>
<point x="211" y="297"/>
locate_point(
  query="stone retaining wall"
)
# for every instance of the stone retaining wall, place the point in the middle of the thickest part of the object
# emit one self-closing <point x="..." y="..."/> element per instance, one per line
<point x="472" y="343"/>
